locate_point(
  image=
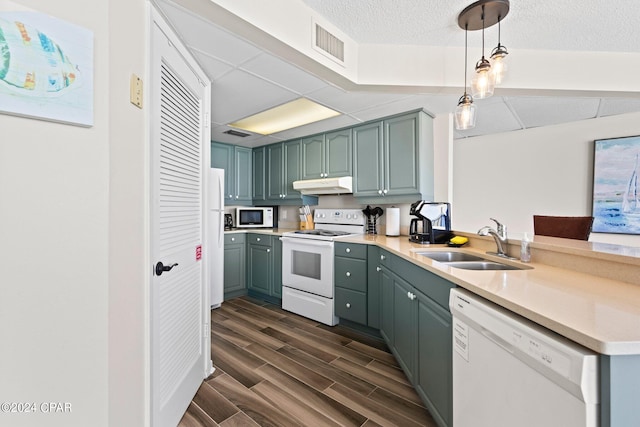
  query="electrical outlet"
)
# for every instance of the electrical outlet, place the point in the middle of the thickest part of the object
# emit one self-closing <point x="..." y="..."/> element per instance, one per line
<point x="136" y="91"/>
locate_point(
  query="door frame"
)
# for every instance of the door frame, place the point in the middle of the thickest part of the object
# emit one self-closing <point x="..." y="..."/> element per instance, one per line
<point x="156" y="18"/>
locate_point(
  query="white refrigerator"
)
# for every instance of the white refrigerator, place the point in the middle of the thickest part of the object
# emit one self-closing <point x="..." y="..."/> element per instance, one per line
<point x="215" y="237"/>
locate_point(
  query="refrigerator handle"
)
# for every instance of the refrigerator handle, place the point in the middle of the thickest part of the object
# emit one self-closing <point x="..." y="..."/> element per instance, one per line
<point x="220" y="194"/>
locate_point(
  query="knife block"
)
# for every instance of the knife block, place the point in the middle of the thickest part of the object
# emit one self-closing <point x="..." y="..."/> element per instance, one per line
<point x="308" y="224"/>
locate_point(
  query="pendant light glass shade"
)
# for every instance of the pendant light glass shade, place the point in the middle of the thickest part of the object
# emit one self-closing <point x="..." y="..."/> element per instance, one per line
<point x="465" y="114"/>
<point x="498" y="58"/>
<point x="484" y="81"/>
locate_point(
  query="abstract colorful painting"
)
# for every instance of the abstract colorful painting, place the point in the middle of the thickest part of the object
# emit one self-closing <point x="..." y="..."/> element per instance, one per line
<point x="616" y="186"/>
<point x="46" y="67"/>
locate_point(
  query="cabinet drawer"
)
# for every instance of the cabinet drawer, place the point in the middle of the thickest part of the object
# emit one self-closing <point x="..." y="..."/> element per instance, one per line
<point x="351" y="305"/>
<point x="259" y="239"/>
<point x="351" y="273"/>
<point x="233" y="238"/>
<point x="351" y="250"/>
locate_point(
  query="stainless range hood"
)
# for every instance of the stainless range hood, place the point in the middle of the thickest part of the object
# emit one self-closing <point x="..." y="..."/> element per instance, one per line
<point x="339" y="185"/>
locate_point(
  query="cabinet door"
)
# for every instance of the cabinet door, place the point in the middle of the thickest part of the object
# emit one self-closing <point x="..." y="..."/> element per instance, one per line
<point x="338" y="154"/>
<point x="292" y="168"/>
<point x="434" y="382"/>
<point x="258" y="190"/>
<point x="275" y="165"/>
<point x="276" y="284"/>
<point x="367" y="160"/>
<point x="243" y="175"/>
<point x="401" y="155"/>
<point x="259" y="268"/>
<point x="313" y="157"/>
<point x="404" y="326"/>
<point x="222" y="158"/>
<point x="234" y="267"/>
<point x="386" y="305"/>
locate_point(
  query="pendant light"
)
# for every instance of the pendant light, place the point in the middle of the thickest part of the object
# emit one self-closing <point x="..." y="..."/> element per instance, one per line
<point x="498" y="57"/>
<point x="465" y="114"/>
<point x="484" y="80"/>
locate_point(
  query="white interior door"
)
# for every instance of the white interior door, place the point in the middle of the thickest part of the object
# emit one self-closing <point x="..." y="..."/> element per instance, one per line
<point x="179" y="312"/>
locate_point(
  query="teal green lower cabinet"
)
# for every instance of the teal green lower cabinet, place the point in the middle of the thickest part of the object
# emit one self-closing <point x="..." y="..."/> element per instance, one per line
<point x="434" y="380"/>
<point x="416" y="324"/>
<point x="404" y="327"/>
<point x="373" y="287"/>
<point x="259" y="267"/>
<point x="350" y="282"/>
<point x="264" y="267"/>
<point x="234" y="265"/>
<point x="351" y="305"/>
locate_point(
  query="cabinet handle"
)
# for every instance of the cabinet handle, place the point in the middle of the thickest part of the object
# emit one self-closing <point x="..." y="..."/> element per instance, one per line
<point x="257" y="239"/>
<point x="236" y="196"/>
<point x="348" y="305"/>
<point x="385" y="191"/>
<point x="231" y="196"/>
<point x="378" y="269"/>
<point x="233" y="239"/>
<point x="348" y="250"/>
<point x="268" y="250"/>
<point x="379" y="191"/>
<point x="348" y="274"/>
<point x="382" y="257"/>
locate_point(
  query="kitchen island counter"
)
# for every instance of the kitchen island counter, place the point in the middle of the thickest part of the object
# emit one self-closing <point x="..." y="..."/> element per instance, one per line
<point x="602" y="314"/>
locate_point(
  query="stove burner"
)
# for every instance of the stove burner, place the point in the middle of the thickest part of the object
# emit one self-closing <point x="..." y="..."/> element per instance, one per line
<point x="320" y="232"/>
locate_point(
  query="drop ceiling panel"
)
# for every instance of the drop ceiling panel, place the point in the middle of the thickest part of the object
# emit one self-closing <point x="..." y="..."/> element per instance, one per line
<point x="277" y="71"/>
<point x="240" y="94"/>
<point x="613" y="106"/>
<point x="348" y="102"/>
<point x="492" y="117"/>
<point x="212" y="66"/>
<point x="540" y="111"/>
<point x="207" y="37"/>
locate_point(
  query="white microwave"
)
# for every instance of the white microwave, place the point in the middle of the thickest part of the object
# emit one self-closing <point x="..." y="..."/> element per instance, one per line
<point x="254" y="217"/>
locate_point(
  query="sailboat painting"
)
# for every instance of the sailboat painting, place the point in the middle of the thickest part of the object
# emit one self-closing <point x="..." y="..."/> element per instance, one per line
<point x="46" y="67"/>
<point x="616" y="185"/>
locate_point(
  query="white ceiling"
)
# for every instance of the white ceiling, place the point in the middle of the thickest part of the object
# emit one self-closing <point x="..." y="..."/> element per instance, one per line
<point x="248" y="79"/>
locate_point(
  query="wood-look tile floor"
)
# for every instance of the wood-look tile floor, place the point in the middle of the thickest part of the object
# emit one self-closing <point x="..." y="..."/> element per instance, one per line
<point x="274" y="368"/>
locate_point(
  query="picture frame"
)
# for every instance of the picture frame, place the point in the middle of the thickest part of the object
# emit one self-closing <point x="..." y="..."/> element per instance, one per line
<point x="46" y="67"/>
<point x="616" y="185"/>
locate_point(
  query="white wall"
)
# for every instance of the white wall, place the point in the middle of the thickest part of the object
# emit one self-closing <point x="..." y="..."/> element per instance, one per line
<point x="546" y="171"/>
<point x="54" y="246"/>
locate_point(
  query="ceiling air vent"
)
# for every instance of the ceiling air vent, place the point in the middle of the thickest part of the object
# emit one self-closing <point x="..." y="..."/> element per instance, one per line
<point x="329" y="43"/>
<point x="236" y="133"/>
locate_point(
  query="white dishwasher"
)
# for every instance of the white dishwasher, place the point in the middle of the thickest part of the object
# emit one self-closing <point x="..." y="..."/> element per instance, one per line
<point x="509" y="371"/>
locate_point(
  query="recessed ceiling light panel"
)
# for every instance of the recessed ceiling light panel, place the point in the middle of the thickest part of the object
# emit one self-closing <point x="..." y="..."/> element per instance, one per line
<point x="301" y="111"/>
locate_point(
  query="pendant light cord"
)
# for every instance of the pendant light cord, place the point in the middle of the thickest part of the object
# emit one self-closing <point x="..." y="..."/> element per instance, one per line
<point x="483" y="32"/>
<point x="466" y="32"/>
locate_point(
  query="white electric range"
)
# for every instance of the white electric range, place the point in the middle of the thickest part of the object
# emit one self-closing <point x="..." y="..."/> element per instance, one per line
<point x="307" y="263"/>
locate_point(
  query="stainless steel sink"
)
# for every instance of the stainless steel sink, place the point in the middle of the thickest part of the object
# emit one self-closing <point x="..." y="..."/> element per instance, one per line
<point x="450" y="256"/>
<point x="481" y="265"/>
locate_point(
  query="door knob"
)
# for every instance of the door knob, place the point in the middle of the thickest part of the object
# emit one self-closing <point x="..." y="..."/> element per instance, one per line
<point x="161" y="268"/>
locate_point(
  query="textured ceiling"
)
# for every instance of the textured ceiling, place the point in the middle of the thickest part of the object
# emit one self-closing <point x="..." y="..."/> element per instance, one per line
<point x="248" y="79"/>
<point x="585" y="25"/>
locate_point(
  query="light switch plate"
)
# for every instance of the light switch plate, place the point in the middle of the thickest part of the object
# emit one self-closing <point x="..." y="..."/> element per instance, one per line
<point x="136" y="91"/>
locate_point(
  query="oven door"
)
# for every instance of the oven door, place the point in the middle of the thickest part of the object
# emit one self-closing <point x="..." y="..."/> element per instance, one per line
<point x="307" y="265"/>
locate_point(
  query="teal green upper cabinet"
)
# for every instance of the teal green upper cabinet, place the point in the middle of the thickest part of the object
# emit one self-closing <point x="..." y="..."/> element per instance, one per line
<point x="259" y="192"/>
<point x="393" y="158"/>
<point x="368" y="164"/>
<point x="243" y="173"/>
<point x="327" y="155"/>
<point x="283" y="163"/>
<point x="222" y="158"/>
<point x="238" y="170"/>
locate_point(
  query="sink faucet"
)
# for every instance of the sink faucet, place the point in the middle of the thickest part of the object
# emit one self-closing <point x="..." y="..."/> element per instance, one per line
<point x="499" y="235"/>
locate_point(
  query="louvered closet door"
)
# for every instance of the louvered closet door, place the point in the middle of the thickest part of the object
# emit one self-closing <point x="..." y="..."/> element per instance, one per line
<point x="177" y="309"/>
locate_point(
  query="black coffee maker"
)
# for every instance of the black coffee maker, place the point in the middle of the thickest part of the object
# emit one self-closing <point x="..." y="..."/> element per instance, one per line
<point x="432" y="223"/>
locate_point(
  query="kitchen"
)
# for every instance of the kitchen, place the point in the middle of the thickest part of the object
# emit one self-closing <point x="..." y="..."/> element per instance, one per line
<point x="97" y="223"/>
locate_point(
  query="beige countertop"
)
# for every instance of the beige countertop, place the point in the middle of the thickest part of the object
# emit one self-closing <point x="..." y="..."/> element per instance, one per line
<point x="600" y="313"/>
